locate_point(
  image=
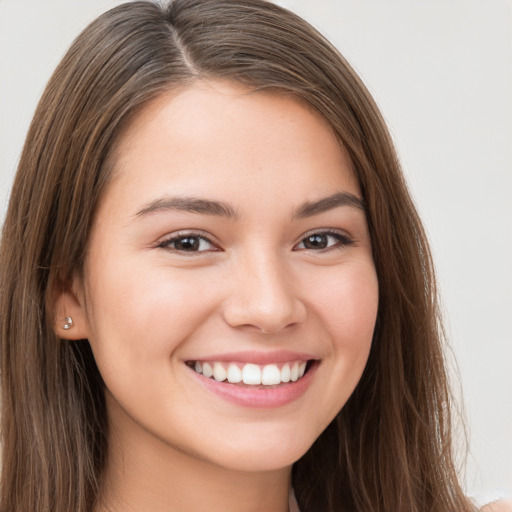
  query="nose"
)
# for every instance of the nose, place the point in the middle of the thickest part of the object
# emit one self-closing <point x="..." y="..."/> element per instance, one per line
<point x="263" y="296"/>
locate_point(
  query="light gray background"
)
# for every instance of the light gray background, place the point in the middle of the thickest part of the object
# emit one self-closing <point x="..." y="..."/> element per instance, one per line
<point x="441" y="73"/>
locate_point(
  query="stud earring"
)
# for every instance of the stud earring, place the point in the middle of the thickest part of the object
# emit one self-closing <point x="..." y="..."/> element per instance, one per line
<point x="68" y="323"/>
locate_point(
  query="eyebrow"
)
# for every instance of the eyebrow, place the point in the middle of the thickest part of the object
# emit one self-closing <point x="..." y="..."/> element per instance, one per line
<point x="191" y="205"/>
<point x="220" y="209"/>
<point x="328" y="203"/>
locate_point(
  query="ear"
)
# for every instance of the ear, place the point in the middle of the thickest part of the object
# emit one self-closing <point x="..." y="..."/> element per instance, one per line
<point x="69" y="302"/>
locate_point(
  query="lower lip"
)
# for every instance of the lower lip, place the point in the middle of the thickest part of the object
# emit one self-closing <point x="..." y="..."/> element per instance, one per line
<point x="259" y="397"/>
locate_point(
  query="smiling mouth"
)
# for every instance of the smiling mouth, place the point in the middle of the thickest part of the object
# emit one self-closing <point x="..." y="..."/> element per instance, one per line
<point x="252" y="375"/>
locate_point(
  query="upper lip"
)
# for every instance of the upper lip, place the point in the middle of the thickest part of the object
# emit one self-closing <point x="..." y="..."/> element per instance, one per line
<point x="256" y="357"/>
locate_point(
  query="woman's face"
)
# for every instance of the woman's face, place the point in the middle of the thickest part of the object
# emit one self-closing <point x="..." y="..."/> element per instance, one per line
<point x="230" y="244"/>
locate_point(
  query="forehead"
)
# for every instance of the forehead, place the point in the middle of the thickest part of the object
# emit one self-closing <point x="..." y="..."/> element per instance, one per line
<point x="222" y="139"/>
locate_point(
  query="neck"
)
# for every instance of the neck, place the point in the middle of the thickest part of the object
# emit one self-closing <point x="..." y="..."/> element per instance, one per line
<point x="144" y="473"/>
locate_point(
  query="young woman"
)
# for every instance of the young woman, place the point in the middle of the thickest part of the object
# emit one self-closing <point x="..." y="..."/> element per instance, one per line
<point x="215" y="290"/>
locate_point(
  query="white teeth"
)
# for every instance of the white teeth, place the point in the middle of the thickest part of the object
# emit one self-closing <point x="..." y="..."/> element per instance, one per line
<point x="285" y="373"/>
<point x="294" y="374"/>
<point x="251" y="374"/>
<point x="219" y="373"/>
<point x="270" y="375"/>
<point x="207" y="370"/>
<point x="234" y="374"/>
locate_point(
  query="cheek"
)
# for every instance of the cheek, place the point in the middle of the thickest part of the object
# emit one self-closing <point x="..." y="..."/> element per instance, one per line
<point x="346" y="303"/>
<point x="138" y="315"/>
<point x="343" y="303"/>
<point x="352" y="325"/>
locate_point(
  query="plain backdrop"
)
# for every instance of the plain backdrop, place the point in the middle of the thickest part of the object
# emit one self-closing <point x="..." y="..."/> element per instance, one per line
<point x="441" y="73"/>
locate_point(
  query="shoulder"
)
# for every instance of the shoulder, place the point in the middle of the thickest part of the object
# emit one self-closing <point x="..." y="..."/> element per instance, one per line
<point x="498" y="506"/>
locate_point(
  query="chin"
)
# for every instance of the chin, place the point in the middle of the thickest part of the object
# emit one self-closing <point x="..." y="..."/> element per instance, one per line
<point x="260" y="454"/>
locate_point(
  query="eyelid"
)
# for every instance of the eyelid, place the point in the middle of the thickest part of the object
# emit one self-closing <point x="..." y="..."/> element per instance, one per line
<point x="344" y="239"/>
<point x="163" y="243"/>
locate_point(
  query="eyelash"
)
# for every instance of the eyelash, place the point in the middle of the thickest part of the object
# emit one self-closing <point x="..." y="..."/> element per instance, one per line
<point x="342" y="240"/>
<point x="165" y="244"/>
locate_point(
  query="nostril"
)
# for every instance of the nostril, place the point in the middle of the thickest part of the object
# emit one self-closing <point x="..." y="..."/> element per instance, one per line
<point x="267" y="317"/>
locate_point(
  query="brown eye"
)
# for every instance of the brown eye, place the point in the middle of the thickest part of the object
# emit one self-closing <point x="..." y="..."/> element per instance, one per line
<point x="188" y="243"/>
<point x="316" y="242"/>
<point x="327" y="240"/>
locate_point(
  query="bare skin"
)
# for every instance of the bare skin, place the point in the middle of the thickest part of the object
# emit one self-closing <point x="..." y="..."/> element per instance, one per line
<point x="498" y="506"/>
<point x="232" y="232"/>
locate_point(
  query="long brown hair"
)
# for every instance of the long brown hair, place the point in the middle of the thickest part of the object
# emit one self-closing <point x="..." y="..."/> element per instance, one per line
<point x="389" y="449"/>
